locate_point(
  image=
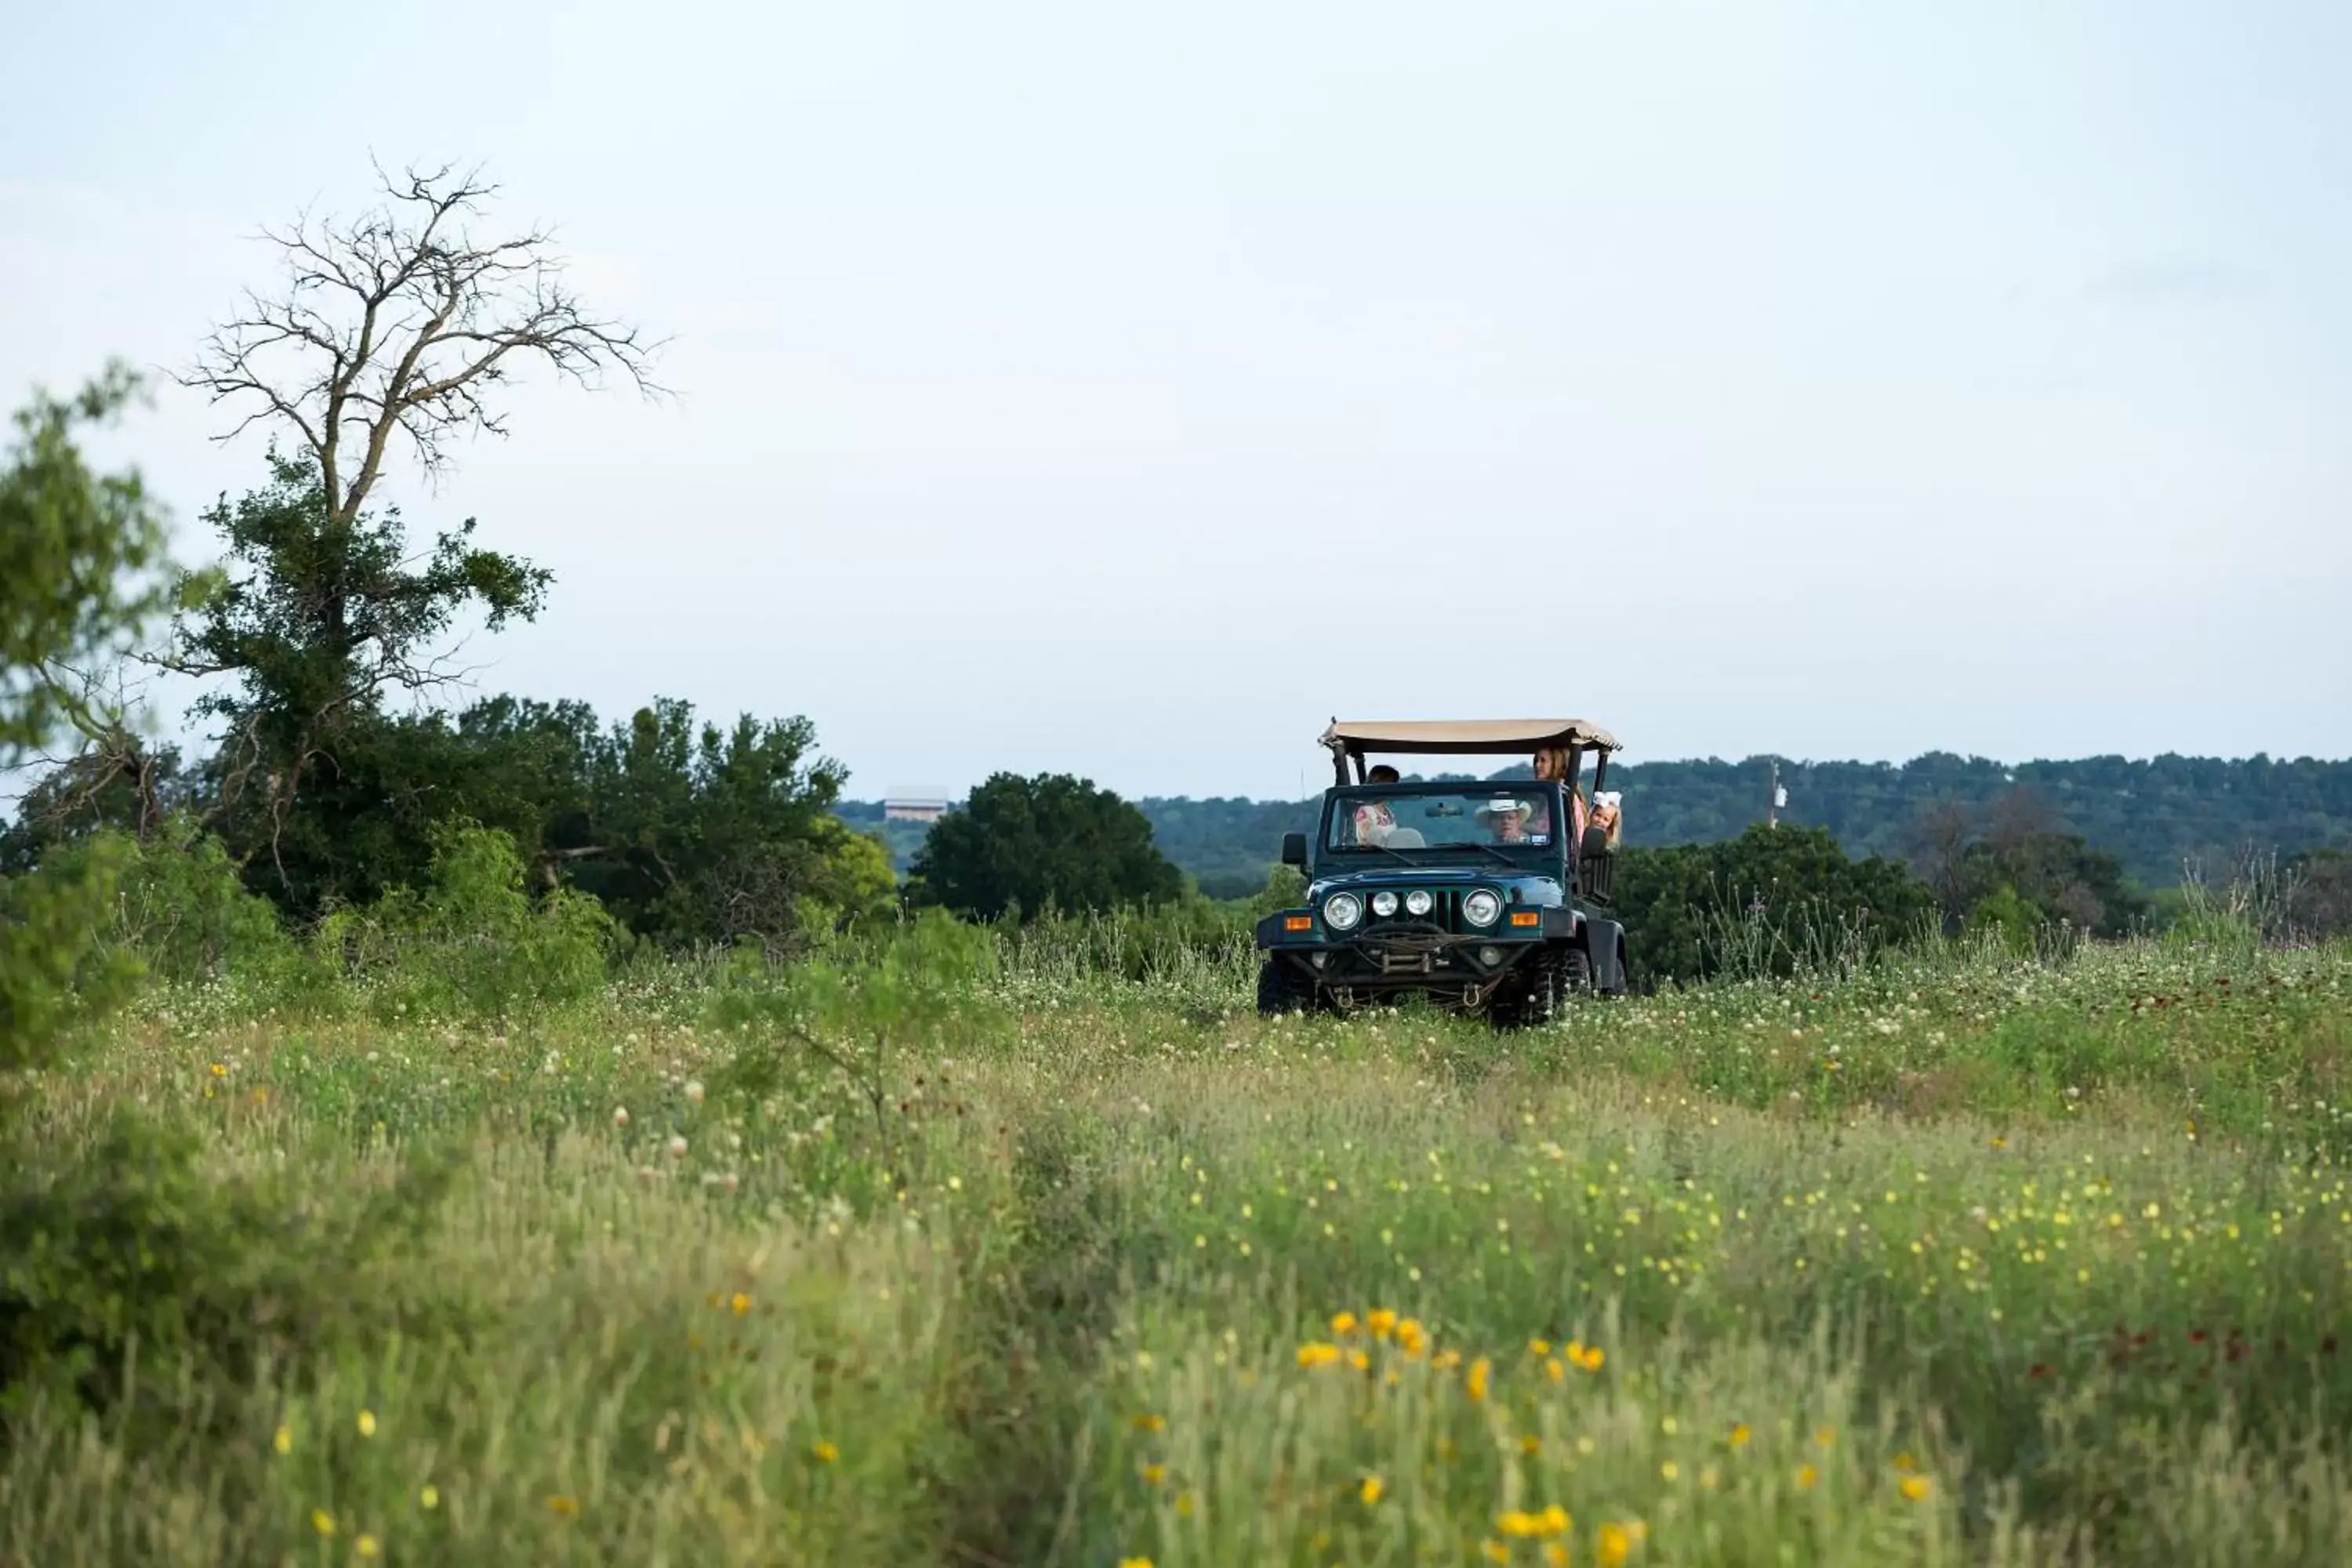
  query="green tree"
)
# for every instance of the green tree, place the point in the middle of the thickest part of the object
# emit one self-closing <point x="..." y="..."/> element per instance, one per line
<point x="319" y="618"/>
<point x="80" y="558"/>
<point x="1027" y="845"/>
<point x="691" y="833"/>
<point x="2017" y="849"/>
<point x="391" y="333"/>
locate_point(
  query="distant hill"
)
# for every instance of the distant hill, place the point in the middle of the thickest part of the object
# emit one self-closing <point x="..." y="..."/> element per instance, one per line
<point x="2150" y="814"/>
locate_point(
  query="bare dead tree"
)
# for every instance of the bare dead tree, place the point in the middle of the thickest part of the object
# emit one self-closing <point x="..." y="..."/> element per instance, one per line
<point x="388" y="335"/>
<point x="401" y="322"/>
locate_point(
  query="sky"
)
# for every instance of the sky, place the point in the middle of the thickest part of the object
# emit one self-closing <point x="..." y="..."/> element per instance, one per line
<point x="1126" y="390"/>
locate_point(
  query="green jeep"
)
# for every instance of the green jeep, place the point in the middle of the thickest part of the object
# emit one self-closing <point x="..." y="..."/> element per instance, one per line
<point x="1470" y="895"/>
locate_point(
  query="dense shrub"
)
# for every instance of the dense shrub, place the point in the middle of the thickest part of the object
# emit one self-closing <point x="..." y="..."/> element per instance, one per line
<point x="52" y="964"/>
<point x="1769" y="902"/>
<point x="128" y="1276"/>
<point x="183" y="910"/>
<point x="472" y="941"/>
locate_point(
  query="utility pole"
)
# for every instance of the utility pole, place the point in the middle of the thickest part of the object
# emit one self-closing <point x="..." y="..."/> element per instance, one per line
<point x="1779" y="798"/>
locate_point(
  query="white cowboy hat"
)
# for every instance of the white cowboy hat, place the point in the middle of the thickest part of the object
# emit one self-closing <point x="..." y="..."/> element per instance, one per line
<point x="1496" y="807"/>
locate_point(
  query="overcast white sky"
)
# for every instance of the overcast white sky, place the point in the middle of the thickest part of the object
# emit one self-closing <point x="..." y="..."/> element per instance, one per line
<point x="1127" y="390"/>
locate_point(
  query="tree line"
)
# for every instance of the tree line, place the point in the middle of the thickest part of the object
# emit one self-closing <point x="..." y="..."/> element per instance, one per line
<point x="2155" y="817"/>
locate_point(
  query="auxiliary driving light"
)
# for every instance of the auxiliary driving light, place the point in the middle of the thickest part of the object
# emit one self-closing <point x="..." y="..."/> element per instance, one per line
<point x="1417" y="902"/>
<point x="1490" y="956"/>
<point x="1384" y="904"/>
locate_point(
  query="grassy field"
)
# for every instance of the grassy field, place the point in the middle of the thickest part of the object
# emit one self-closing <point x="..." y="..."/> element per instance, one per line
<point x="1955" y="1259"/>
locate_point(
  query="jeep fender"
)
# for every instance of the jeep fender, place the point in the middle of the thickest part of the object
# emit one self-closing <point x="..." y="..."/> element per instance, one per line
<point x="1604" y="942"/>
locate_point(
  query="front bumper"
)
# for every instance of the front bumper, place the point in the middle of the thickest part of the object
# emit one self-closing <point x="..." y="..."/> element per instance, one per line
<point x="1408" y="957"/>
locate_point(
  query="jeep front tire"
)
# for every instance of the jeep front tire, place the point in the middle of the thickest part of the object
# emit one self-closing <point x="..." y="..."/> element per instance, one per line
<point x="1282" y="988"/>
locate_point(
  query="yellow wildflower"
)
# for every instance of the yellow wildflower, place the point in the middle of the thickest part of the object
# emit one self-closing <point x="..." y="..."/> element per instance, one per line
<point x="322" y="1521"/>
<point x="219" y="1071"/>
<point x="1806" y="1476"/>
<point x="1916" y="1489"/>
<point x="1519" y="1522"/>
<point x="1670" y="1470"/>
<point x="1739" y="1435"/>
<point x="1411" y="1337"/>
<point x="364" y="1546"/>
<point x="1539" y="1347"/>
<point x="1446" y="1361"/>
<point x="1360" y="1361"/>
<point x="1379" y="1319"/>
<point x="1556" y="1554"/>
<point x="1154" y="1474"/>
<point x="739" y="1302"/>
<point x="1343" y="1323"/>
<point x="1594" y="1357"/>
<point x="367" y="1423"/>
<point x="430" y="1497"/>
<point x="284" y="1441"/>
<point x="1553" y="1369"/>
<point x="1614" y="1545"/>
<point x="1825" y="1435"/>
<point x="1135" y="1563"/>
<point x="826" y="1453"/>
<point x="1530" y="1444"/>
<point x="1494" y="1550"/>
<point x="1480" y="1370"/>
<point x="1148" y="1422"/>
<point x="1370" y="1490"/>
<point x="563" y="1505"/>
<point x="1320" y="1353"/>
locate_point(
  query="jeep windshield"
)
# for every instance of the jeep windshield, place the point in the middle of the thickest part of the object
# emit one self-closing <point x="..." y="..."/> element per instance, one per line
<point x="1443" y="821"/>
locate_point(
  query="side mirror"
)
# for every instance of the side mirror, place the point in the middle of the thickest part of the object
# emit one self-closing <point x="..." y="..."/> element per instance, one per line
<point x="1596" y="843"/>
<point x="1294" y="850"/>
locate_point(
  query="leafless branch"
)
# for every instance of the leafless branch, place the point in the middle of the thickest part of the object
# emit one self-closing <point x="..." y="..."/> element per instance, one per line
<point x="398" y="323"/>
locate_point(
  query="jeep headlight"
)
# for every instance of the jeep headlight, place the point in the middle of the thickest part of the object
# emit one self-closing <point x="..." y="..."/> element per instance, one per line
<point x="1480" y="908"/>
<point x="1342" y="911"/>
<point x="1384" y="904"/>
<point x="1418" y="901"/>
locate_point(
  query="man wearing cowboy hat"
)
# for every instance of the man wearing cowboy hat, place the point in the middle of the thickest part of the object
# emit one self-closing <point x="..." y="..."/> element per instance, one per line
<point x="1506" y="819"/>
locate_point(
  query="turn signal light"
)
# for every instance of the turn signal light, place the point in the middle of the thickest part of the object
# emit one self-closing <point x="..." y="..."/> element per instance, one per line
<point x="1526" y="917"/>
<point x="1299" y="922"/>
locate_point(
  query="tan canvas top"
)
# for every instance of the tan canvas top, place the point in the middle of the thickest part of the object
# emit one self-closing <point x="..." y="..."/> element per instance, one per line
<point x="1463" y="735"/>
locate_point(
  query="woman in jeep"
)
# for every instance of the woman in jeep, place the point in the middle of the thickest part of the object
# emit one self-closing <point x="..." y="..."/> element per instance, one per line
<point x="1551" y="764"/>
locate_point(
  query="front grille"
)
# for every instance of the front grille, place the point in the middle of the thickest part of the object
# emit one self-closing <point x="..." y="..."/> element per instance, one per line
<point x="1445" y="914"/>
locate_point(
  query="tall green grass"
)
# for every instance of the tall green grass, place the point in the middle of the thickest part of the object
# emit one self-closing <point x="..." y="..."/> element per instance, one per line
<point x="1952" y="1255"/>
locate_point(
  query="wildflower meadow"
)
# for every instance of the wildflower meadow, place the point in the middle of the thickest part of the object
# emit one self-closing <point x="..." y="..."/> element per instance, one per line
<point x="946" y="1248"/>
